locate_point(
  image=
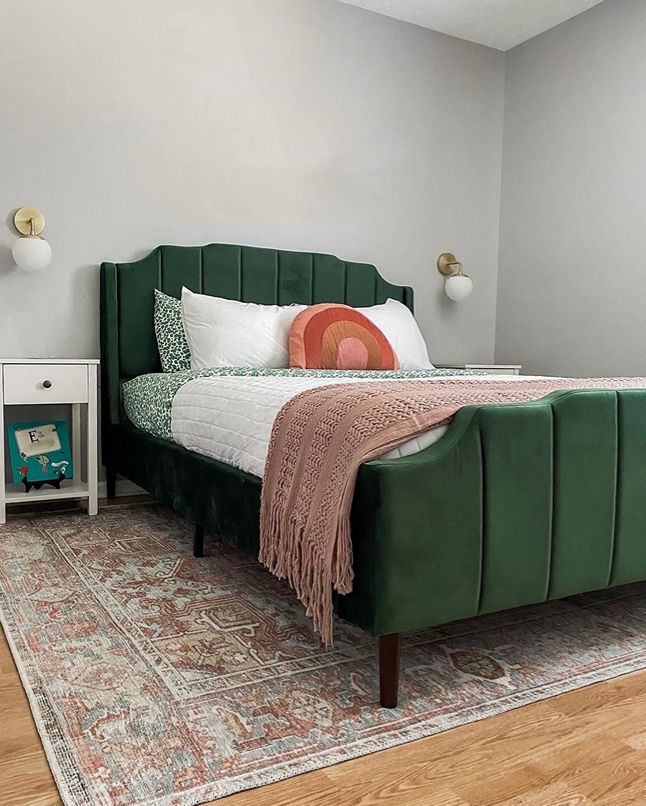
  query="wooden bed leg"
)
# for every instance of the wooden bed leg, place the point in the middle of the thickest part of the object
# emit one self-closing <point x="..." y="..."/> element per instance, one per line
<point x="111" y="482"/>
<point x="198" y="541"/>
<point x="389" y="654"/>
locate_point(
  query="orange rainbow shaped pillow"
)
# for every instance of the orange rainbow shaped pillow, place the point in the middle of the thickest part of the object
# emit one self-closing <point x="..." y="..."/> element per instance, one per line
<point x="331" y="336"/>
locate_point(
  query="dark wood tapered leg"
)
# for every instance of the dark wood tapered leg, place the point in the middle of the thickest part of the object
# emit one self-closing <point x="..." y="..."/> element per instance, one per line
<point x="389" y="654"/>
<point x="111" y="482"/>
<point x="198" y="541"/>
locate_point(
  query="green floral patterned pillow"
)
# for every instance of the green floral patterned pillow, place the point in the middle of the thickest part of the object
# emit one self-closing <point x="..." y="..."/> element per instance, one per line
<point x="171" y="342"/>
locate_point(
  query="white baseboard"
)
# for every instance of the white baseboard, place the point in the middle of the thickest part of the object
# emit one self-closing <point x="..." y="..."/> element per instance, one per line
<point x="124" y="487"/>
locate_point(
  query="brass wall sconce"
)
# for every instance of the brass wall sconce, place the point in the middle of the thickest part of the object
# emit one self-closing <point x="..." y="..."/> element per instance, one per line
<point x="458" y="285"/>
<point x="30" y="252"/>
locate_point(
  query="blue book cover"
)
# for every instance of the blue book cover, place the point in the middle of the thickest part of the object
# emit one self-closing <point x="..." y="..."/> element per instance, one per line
<point x="40" y="451"/>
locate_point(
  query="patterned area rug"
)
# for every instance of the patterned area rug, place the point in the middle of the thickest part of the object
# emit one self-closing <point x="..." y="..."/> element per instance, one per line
<point x="159" y="679"/>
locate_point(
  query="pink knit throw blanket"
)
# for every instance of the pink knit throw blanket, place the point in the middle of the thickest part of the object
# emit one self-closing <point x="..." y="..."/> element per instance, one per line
<point x="319" y="440"/>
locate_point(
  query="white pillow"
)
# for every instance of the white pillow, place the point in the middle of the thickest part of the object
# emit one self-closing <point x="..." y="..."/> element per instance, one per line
<point x="398" y="325"/>
<point x="226" y="333"/>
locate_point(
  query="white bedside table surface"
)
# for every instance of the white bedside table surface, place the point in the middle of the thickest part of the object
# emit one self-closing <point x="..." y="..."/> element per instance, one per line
<point x="485" y="369"/>
<point x="49" y="361"/>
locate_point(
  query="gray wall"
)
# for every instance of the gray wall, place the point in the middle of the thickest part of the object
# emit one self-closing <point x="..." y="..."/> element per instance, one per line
<point x="572" y="278"/>
<point x="304" y="124"/>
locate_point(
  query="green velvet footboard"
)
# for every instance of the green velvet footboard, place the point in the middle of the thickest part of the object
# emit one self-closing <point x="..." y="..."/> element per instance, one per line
<point x="517" y="504"/>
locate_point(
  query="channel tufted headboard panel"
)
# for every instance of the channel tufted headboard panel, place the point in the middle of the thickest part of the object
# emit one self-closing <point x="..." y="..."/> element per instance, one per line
<point x="250" y="274"/>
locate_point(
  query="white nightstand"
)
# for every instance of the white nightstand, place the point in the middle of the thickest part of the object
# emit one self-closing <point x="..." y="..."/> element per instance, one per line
<point x="35" y="381"/>
<point x="487" y="369"/>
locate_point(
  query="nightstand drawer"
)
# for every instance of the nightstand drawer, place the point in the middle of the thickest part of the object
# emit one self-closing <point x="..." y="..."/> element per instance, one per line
<point x="45" y="383"/>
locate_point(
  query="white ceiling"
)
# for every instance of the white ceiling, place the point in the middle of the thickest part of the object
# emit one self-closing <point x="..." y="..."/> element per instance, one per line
<point x="500" y="24"/>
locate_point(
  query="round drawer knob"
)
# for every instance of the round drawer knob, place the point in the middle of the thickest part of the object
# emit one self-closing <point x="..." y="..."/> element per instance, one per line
<point x="47" y="384"/>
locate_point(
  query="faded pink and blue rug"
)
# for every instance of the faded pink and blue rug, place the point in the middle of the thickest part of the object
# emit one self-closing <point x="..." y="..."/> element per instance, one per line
<point x="156" y="678"/>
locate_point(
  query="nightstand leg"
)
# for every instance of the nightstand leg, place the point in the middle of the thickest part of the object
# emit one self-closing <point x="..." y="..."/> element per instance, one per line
<point x="3" y="505"/>
<point x="92" y="458"/>
<point x="76" y="440"/>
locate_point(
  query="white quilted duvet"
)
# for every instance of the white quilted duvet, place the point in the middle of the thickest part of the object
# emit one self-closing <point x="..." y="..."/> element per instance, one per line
<point x="230" y="418"/>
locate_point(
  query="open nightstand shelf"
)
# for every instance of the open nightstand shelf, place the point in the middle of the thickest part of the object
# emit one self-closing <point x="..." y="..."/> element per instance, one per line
<point x="15" y="493"/>
<point x="53" y="381"/>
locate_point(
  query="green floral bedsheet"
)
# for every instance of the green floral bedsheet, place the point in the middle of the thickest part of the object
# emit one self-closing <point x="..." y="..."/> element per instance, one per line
<point x="147" y="399"/>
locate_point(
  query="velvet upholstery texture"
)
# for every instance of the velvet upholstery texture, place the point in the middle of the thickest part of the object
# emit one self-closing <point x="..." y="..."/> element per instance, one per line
<point x="515" y="505"/>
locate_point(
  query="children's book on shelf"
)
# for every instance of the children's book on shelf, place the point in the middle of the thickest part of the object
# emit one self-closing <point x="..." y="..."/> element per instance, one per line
<point x="40" y="453"/>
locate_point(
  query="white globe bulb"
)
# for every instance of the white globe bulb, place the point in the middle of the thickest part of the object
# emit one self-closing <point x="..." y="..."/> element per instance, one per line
<point x="458" y="287"/>
<point x="31" y="253"/>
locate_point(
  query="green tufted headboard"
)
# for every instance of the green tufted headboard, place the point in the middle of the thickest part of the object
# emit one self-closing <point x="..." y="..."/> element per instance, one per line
<point x="250" y="274"/>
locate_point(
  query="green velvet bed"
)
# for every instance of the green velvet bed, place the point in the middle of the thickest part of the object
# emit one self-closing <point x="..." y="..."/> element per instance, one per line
<point x="515" y="505"/>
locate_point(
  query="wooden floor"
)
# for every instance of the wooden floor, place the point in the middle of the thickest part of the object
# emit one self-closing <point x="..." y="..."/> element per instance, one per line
<point x="585" y="747"/>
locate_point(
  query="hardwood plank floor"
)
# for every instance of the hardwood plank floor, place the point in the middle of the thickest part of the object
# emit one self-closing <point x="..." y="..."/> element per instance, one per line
<point x="585" y="747"/>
